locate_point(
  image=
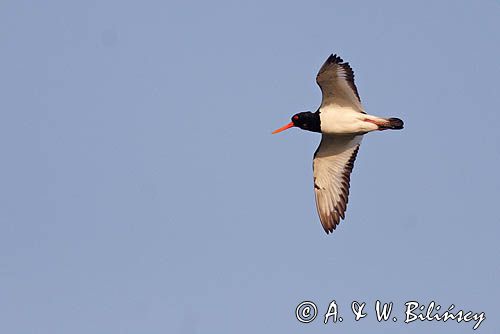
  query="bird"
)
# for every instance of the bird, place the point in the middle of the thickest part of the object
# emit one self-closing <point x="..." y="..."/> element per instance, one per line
<point x="342" y="121"/>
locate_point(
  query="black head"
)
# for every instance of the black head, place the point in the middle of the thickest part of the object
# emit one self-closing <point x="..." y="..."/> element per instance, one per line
<point x="307" y="120"/>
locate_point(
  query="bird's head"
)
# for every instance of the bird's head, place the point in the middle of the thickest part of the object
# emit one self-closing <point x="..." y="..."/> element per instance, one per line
<point x="305" y="120"/>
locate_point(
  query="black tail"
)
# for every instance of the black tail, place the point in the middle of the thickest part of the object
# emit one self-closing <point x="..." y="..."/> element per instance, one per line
<point x="395" y="124"/>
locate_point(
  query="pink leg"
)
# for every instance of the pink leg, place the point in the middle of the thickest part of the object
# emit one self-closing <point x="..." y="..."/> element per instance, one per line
<point x="382" y="124"/>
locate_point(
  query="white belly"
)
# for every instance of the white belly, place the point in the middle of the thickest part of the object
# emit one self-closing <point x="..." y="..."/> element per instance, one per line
<point x="344" y="120"/>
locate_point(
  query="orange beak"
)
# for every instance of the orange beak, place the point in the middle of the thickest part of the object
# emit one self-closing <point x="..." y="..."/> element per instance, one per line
<point x="283" y="128"/>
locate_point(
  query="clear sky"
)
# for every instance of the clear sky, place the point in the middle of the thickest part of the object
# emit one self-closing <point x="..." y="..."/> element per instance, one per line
<point x="141" y="190"/>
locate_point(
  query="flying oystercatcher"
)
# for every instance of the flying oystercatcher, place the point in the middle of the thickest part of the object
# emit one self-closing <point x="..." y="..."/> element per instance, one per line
<point x="342" y="121"/>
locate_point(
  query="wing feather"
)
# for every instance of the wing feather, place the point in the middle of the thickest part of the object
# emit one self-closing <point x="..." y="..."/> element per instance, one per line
<point x="336" y="80"/>
<point x="333" y="163"/>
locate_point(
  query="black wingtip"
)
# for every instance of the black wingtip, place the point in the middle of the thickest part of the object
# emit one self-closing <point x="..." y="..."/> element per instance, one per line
<point x="334" y="59"/>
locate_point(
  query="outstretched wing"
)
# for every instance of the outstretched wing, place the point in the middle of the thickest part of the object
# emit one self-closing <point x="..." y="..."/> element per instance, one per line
<point x="336" y="80"/>
<point x="332" y="165"/>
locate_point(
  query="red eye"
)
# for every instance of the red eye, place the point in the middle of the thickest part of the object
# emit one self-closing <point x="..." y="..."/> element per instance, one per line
<point x="295" y="118"/>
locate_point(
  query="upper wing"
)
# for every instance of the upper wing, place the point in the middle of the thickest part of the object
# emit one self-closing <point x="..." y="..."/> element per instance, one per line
<point x="336" y="80"/>
<point x="332" y="164"/>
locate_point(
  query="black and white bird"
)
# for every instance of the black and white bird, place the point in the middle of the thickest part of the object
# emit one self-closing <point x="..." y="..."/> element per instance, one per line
<point x="342" y="121"/>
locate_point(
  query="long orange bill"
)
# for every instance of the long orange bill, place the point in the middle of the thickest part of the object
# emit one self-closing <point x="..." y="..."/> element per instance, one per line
<point x="283" y="128"/>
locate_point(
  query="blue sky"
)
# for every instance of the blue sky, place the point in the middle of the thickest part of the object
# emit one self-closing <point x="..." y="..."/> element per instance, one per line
<point x="142" y="192"/>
